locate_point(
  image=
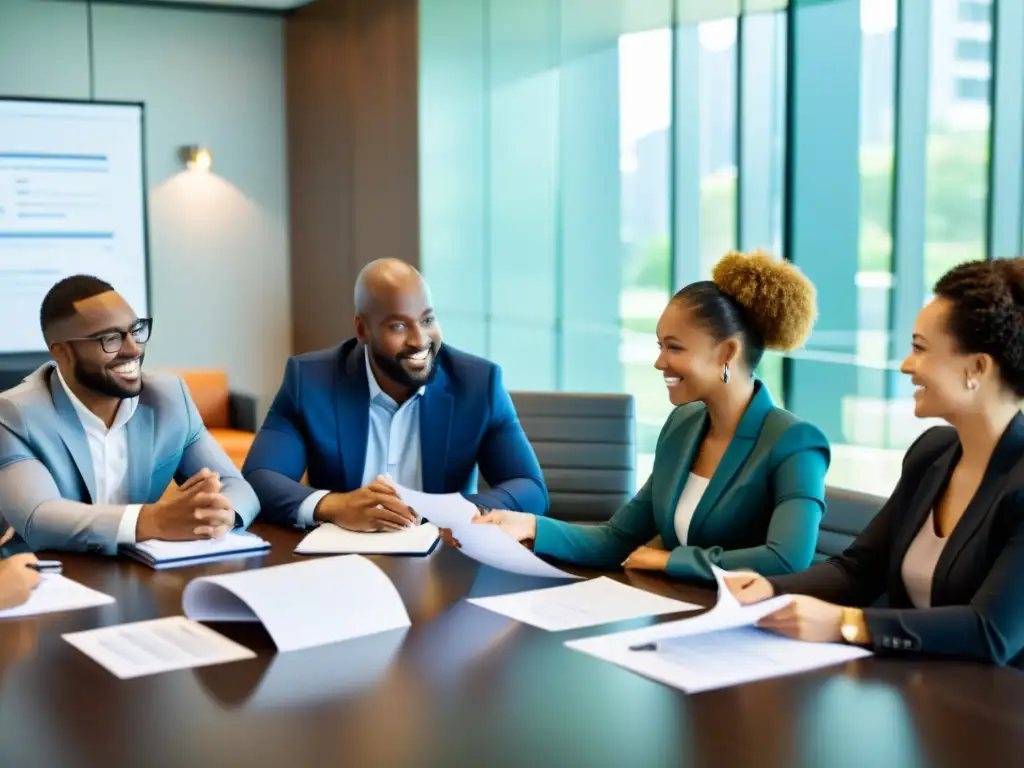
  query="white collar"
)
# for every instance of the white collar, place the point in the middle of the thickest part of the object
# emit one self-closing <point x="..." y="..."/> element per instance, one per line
<point x="125" y="410"/>
<point x="371" y="380"/>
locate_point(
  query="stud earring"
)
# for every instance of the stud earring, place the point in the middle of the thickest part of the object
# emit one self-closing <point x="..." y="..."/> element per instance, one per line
<point x="972" y="385"/>
<point x="725" y="373"/>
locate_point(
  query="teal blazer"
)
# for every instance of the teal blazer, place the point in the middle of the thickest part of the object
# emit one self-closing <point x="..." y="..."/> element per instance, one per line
<point x="761" y="509"/>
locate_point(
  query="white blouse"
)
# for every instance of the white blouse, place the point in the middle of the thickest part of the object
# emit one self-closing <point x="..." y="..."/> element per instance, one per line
<point x="919" y="563"/>
<point x="688" y="501"/>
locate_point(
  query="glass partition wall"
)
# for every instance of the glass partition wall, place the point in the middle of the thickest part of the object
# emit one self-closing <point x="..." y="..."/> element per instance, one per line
<point x="581" y="160"/>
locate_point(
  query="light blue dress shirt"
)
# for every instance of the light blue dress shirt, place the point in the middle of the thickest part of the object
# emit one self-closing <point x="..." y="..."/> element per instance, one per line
<point x="392" y="444"/>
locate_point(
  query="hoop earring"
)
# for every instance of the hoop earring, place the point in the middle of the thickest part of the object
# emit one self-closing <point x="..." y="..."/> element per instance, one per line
<point x="725" y="373"/>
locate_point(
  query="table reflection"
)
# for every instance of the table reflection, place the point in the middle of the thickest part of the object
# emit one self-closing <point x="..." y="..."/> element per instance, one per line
<point x="304" y="678"/>
<point x="18" y="640"/>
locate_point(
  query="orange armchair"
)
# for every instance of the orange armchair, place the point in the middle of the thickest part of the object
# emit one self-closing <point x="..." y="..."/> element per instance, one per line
<point x="229" y="416"/>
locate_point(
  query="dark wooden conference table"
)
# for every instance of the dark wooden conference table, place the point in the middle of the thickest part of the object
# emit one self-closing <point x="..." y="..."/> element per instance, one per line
<point x="464" y="686"/>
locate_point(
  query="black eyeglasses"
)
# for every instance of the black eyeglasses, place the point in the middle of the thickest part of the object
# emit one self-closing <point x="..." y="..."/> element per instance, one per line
<point x="113" y="341"/>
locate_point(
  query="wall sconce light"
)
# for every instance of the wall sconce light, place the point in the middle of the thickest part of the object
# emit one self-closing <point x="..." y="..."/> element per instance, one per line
<point x="197" y="158"/>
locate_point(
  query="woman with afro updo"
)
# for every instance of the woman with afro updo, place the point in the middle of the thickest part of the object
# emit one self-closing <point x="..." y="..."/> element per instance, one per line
<point x="945" y="555"/>
<point x="737" y="482"/>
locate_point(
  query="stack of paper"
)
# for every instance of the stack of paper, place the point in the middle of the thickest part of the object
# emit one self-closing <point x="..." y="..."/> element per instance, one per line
<point x="486" y="544"/>
<point x="56" y="593"/>
<point x="717" y="649"/>
<point x="175" y="554"/>
<point x="583" y="604"/>
<point x="329" y="539"/>
<point x="301" y="605"/>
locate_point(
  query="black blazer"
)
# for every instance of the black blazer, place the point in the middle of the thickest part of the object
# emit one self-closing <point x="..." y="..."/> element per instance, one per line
<point x="978" y="588"/>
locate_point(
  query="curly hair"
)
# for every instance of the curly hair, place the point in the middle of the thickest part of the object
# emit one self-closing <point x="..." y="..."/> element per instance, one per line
<point x="987" y="313"/>
<point x="768" y="302"/>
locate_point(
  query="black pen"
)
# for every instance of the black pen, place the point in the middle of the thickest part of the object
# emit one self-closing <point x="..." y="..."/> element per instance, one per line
<point x="644" y="647"/>
<point x="46" y="566"/>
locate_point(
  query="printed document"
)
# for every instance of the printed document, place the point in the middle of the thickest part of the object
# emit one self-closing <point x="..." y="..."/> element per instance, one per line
<point x="161" y="645"/>
<point x="583" y="604"/>
<point x="717" y="649"/>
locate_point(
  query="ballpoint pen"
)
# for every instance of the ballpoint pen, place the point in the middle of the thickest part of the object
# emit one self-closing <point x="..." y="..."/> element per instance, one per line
<point x="46" y="566"/>
<point x="644" y="647"/>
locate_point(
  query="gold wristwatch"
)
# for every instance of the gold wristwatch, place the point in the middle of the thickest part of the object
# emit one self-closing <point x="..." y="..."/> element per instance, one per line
<point x="852" y="628"/>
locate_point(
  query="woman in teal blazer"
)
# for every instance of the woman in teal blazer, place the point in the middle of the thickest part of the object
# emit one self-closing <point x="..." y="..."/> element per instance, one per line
<point x="737" y="482"/>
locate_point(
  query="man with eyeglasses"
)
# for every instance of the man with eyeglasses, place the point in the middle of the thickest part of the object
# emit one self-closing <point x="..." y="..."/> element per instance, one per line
<point x="89" y="444"/>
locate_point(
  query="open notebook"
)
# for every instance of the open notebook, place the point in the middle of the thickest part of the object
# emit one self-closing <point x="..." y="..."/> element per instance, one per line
<point x="329" y="539"/>
<point x="176" y="554"/>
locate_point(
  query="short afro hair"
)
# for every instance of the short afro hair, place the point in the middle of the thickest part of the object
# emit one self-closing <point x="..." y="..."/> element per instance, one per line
<point x="987" y="313"/>
<point x="768" y="302"/>
<point x="60" y="300"/>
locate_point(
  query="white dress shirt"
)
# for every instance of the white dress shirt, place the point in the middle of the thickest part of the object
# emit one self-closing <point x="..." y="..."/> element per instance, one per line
<point x="392" y="444"/>
<point x="109" y="451"/>
<point x="692" y="493"/>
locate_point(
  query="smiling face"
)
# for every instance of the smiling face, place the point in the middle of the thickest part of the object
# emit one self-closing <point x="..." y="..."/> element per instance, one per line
<point x="402" y="334"/>
<point x="78" y="347"/>
<point x="691" y="359"/>
<point x="939" y="370"/>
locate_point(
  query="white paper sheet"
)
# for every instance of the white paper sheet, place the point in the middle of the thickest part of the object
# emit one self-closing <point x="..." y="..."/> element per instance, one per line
<point x="161" y="645"/>
<point x="329" y="539"/>
<point x="56" y="593"/>
<point x="486" y="544"/>
<point x="716" y="649"/>
<point x="727" y="613"/>
<point x="584" y="604"/>
<point x="718" y="659"/>
<point x="175" y="554"/>
<point x="445" y="510"/>
<point x="302" y="604"/>
<point x="490" y="545"/>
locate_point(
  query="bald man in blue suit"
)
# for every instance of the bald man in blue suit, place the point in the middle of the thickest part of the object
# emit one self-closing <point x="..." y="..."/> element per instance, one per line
<point x="390" y="406"/>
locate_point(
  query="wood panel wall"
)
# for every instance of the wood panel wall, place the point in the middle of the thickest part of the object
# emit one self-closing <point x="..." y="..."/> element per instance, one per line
<point x="352" y="103"/>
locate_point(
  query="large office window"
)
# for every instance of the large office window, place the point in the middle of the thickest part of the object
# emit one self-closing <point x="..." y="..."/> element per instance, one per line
<point x="717" y="73"/>
<point x="958" y="139"/>
<point x="580" y="160"/>
<point x="645" y="140"/>
<point x="760" y="166"/>
<point x="866" y="409"/>
<point x="975" y="10"/>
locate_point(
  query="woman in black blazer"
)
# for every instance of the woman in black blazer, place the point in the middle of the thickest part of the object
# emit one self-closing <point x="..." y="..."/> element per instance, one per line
<point x="947" y="549"/>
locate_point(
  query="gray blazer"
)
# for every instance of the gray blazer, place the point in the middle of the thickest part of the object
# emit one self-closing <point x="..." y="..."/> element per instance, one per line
<point x="47" y="482"/>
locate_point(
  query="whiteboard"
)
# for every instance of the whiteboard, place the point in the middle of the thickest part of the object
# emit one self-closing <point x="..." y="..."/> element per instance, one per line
<point x="72" y="201"/>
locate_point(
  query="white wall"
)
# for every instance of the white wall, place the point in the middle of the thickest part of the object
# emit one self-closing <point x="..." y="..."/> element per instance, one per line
<point x="219" y="261"/>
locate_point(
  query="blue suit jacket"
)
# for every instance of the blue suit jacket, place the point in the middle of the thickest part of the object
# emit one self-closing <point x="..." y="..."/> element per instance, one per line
<point x="319" y="424"/>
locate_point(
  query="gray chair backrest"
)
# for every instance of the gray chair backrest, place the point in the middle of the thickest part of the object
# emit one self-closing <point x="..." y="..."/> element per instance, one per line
<point x="847" y="514"/>
<point x="586" y="445"/>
